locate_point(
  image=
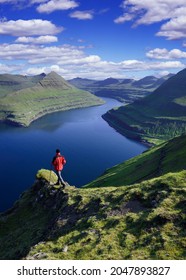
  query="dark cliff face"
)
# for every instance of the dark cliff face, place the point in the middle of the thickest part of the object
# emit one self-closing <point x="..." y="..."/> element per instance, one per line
<point x="30" y="220"/>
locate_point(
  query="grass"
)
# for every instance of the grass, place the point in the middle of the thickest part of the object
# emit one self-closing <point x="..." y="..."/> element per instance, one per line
<point x="158" y="160"/>
<point x="137" y="124"/>
<point x="23" y="106"/>
<point x="181" y="100"/>
<point x="157" y="117"/>
<point x="141" y="221"/>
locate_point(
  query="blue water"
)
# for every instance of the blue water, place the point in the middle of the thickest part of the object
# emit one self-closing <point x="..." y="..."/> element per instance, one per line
<point x="88" y="143"/>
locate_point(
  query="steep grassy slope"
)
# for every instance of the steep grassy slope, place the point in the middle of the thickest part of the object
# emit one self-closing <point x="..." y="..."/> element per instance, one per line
<point x="10" y="83"/>
<point x="50" y="94"/>
<point x="161" y="115"/>
<point x="142" y="221"/>
<point x="167" y="157"/>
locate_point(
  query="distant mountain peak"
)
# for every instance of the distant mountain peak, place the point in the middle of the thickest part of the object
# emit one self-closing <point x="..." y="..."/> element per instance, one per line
<point x="42" y="74"/>
<point x="107" y="82"/>
<point x="54" y="80"/>
<point x="146" y="81"/>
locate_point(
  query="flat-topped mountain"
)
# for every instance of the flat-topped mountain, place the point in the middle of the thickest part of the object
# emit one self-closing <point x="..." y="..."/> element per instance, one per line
<point x="42" y="94"/>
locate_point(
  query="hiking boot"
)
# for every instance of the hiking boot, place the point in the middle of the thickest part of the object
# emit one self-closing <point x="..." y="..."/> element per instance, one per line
<point x="63" y="185"/>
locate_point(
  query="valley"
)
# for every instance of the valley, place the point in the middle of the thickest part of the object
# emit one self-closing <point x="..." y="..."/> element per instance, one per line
<point x="139" y="204"/>
<point x="157" y="117"/>
<point x="123" y="90"/>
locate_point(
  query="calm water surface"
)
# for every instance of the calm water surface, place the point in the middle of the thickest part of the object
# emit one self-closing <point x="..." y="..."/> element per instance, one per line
<point x="88" y="143"/>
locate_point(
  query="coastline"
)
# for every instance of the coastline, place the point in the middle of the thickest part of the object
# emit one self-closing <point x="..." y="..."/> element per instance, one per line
<point x="126" y="131"/>
<point x="26" y="122"/>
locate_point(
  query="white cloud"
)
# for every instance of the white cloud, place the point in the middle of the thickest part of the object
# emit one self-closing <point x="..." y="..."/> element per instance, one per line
<point x="37" y="1"/>
<point x="166" y="65"/>
<point x="82" y="15"/>
<point x="47" y="69"/>
<point x="163" y="73"/>
<point x="35" y="54"/>
<point x="37" y="40"/>
<point x="71" y="61"/>
<point x="4" y="68"/>
<point x="124" y="18"/>
<point x="166" y="54"/>
<point x="146" y="65"/>
<point x="53" y="5"/>
<point x="29" y="27"/>
<point x="148" y="12"/>
<point x="174" y="29"/>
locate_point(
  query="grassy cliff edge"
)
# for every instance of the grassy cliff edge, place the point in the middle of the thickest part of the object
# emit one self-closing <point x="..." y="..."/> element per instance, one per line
<point x="125" y="220"/>
<point x="51" y="94"/>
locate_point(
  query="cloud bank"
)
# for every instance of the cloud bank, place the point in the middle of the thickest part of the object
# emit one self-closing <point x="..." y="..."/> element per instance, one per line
<point x="29" y="27"/>
<point x="148" y="12"/>
<point x="71" y="61"/>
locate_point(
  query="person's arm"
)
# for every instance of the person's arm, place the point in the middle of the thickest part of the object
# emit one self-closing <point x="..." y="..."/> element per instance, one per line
<point x="63" y="161"/>
<point x="53" y="161"/>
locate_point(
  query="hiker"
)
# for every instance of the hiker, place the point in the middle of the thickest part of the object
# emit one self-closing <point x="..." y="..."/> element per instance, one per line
<point x="58" y="162"/>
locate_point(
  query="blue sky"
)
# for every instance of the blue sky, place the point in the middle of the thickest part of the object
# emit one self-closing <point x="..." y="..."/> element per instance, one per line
<point x="93" y="39"/>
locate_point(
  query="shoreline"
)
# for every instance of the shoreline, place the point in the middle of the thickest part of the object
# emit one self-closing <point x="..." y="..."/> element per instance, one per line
<point x="39" y="115"/>
<point x="128" y="132"/>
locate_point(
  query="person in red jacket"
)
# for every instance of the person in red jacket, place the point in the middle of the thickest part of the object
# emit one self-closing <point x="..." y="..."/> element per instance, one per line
<point x="58" y="163"/>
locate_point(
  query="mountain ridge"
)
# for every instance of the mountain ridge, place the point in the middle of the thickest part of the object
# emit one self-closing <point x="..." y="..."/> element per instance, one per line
<point x="140" y="205"/>
<point x="48" y="94"/>
<point x="124" y="90"/>
<point x="10" y="83"/>
<point x="160" y="115"/>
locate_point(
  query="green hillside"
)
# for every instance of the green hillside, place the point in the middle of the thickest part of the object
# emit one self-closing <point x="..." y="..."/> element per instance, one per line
<point x="50" y="94"/>
<point x="167" y="157"/>
<point x="142" y="221"/>
<point x="161" y="115"/>
<point x="146" y="220"/>
<point x="10" y="83"/>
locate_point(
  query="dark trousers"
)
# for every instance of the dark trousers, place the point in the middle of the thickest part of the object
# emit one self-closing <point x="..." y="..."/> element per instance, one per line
<point x="59" y="177"/>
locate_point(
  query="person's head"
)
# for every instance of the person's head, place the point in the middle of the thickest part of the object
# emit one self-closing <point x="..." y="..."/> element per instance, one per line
<point x="57" y="151"/>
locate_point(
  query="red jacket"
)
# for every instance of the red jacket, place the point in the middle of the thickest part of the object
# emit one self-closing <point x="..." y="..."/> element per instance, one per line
<point x="58" y="162"/>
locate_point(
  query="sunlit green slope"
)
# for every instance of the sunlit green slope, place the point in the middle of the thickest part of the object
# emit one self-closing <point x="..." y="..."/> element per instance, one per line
<point x="136" y="210"/>
<point x="161" y="115"/>
<point x="142" y="221"/>
<point x="50" y="94"/>
<point x="167" y="157"/>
